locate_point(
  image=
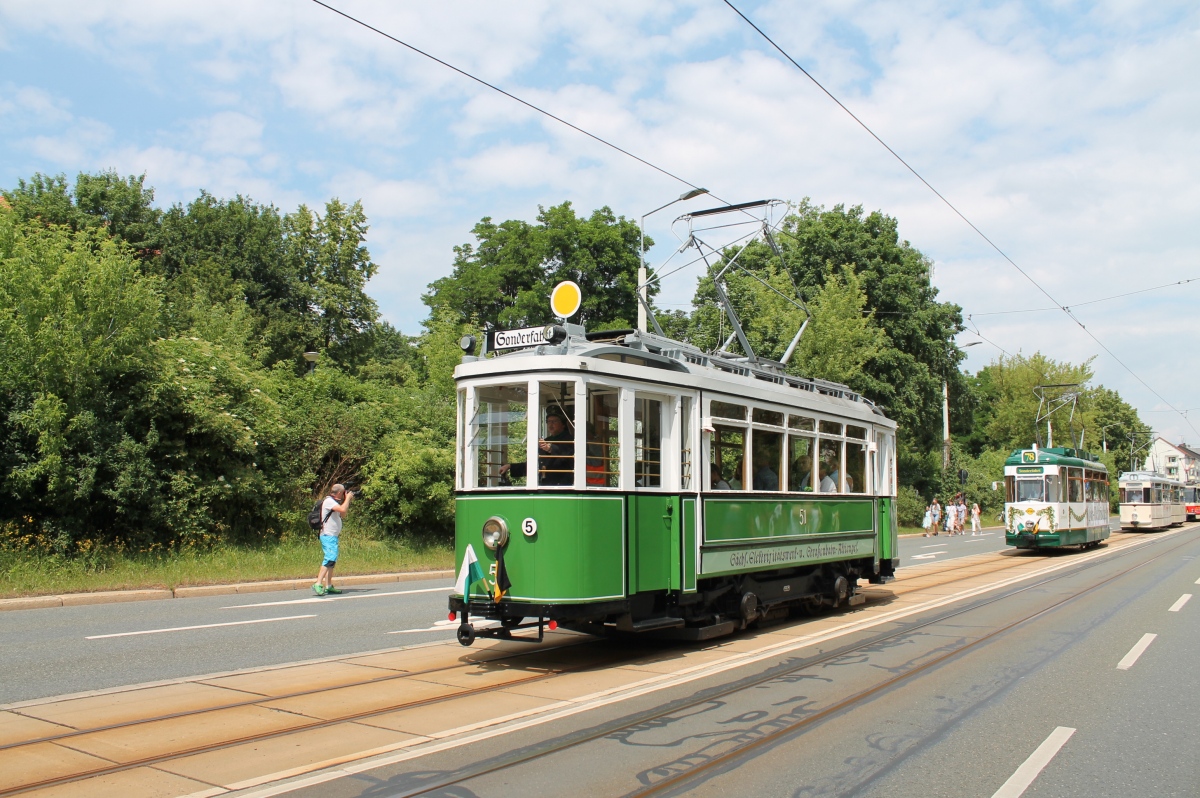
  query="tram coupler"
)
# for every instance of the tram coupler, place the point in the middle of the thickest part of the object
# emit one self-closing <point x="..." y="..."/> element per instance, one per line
<point x="468" y="633"/>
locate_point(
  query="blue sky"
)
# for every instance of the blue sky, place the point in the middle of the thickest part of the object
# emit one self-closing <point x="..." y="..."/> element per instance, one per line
<point x="1066" y="131"/>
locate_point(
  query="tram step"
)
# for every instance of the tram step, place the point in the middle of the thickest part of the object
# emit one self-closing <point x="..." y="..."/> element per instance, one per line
<point x="650" y="624"/>
<point x="693" y="633"/>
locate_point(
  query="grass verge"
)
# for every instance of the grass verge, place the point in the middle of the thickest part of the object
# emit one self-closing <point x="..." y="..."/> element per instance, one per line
<point x="27" y="573"/>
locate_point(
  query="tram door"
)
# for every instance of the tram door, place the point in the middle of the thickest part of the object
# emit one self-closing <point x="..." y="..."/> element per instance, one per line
<point x="654" y="513"/>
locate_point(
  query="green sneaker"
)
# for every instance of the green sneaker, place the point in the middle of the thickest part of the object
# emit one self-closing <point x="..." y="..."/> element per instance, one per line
<point x="331" y="590"/>
<point x="319" y="589"/>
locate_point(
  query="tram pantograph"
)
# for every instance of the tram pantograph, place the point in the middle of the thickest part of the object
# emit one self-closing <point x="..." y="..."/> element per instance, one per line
<point x="623" y="482"/>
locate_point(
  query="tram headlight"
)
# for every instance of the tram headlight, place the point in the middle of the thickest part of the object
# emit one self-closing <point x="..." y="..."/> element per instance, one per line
<point x="495" y="532"/>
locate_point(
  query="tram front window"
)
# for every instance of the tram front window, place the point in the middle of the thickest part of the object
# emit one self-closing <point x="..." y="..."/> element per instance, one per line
<point x="1031" y="490"/>
<point x="1053" y="489"/>
<point x="498" y="432"/>
<point x="603" y="450"/>
<point x="556" y="443"/>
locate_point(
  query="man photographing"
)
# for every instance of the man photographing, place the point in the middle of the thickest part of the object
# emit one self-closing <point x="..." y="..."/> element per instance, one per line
<point x="333" y="510"/>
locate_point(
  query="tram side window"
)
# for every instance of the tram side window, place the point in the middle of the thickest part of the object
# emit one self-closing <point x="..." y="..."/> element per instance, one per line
<point x="728" y="410"/>
<point x="728" y="453"/>
<point x="1010" y="489"/>
<point x="603" y="451"/>
<point x="768" y="453"/>
<point x="1075" y="484"/>
<point x="556" y="443"/>
<point x="498" y="434"/>
<point x="647" y="438"/>
<point x="1053" y="489"/>
<point x="800" y="463"/>
<point x="856" y="466"/>
<point x="829" y="469"/>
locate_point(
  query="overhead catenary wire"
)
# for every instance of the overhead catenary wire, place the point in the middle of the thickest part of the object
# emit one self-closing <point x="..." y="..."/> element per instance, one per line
<point x="1065" y="309"/>
<point x="1091" y="301"/>
<point x="690" y="184"/>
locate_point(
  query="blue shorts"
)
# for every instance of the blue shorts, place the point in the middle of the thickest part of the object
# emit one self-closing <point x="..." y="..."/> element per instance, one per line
<point x="329" y="548"/>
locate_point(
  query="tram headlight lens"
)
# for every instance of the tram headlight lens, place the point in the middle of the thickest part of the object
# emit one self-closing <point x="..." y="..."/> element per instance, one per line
<point x="495" y="532"/>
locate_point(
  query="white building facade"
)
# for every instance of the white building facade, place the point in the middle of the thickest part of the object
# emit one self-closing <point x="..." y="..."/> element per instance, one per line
<point x="1175" y="460"/>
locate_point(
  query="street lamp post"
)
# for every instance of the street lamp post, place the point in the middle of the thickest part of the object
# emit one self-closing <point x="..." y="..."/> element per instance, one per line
<point x="311" y="357"/>
<point x="643" y="288"/>
<point x="946" y="415"/>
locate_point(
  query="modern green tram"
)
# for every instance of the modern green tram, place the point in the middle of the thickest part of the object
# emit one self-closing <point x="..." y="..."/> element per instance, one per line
<point x="1150" y="500"/>
<point x="670" y="490"/>
<point x="1054" y="498"/>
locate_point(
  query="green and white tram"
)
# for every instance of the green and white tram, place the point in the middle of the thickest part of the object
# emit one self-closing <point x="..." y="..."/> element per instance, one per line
<point x="1151" y="501"/>
<point x="1055" y="497"/>
<point x="621" y="481"/>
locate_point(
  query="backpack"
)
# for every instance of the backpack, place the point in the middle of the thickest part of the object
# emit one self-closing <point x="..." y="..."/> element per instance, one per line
<point x="314" y="517"/>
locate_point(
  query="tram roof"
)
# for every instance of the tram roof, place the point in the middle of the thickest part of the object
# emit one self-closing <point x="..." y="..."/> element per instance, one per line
<point x="649" y="358"/>
<point x="1149" y="476"/>
<point x="1058" y="455"/>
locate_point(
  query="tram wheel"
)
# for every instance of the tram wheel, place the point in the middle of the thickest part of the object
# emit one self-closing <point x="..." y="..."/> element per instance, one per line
<point x="466" y="634"/>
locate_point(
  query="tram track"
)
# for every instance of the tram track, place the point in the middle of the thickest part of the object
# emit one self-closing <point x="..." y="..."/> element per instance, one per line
<point x="614" y="657"/>
<point x="314" y="724"/>
<point x="651" y="716"/>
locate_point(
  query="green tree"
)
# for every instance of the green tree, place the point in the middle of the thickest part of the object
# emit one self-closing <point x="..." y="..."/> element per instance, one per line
<point x="124" y="207"/>
<point x="1012" y="405"/>
<point x="505" y="278"/>
<point x="917" y="354"/>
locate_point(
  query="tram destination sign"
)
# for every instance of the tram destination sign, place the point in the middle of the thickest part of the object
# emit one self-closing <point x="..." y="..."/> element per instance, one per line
<point x="1029" y="469"/>
<point x="515" y="339"/>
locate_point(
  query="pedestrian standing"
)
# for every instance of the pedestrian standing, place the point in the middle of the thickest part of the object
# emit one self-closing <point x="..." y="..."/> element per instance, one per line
<point x="975" y="528"/>
<point x="951" y="516"/>
<point x="935" y="511"/>
<point x="927" y="520"/>
<point x="333" y="510"/>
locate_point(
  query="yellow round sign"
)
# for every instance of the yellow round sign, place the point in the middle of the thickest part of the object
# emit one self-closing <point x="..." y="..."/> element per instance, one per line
<point x="565" y="299"/>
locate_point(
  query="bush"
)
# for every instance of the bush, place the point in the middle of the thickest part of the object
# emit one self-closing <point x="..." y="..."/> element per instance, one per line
<point x="910" y="507"/>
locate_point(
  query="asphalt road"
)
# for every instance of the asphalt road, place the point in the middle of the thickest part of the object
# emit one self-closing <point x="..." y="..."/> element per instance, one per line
<point x="66" y="649"/>
<point x="62" y="650"/>
<point x="1040" y="691"/>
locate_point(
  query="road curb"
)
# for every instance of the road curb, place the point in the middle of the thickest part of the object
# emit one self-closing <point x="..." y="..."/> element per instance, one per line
<point x="194" y="591"/>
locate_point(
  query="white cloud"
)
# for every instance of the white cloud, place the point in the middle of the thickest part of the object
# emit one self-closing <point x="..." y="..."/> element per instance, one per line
<point x="1067" y="133"/>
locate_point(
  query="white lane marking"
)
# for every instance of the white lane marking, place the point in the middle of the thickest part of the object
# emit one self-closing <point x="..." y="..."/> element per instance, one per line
<point x="200" y="626"/>
<point x="351" y="764"/>
<point x="928" y="556"/>
<point x="1138" y="649"/>
<point x="1032" y="767"/>
<point x="934" y="546"/>
<point x="1198" y="581"/>
<point x="1178" y="605"/>
<point x="323" y="599"/>
<point x="445" y="626"/>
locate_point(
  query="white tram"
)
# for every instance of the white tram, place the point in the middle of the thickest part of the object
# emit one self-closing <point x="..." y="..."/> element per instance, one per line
<point x="1055" y="498"/>
<point x="1150" y="500"/>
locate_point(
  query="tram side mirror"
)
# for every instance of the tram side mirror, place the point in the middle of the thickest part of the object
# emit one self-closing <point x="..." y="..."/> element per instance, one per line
<point x="554" y="334"/>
